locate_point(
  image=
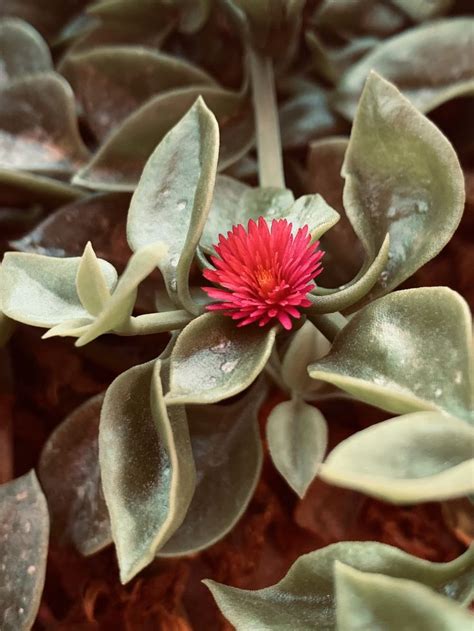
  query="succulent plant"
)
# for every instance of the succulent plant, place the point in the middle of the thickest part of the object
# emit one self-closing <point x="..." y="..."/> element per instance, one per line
<point x="144" y="152"/>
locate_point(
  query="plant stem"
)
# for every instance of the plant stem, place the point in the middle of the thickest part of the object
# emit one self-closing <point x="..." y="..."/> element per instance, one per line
<point x="328" y="323"/>
<point x="156" y="323"/>
<point x="270" y="161"/>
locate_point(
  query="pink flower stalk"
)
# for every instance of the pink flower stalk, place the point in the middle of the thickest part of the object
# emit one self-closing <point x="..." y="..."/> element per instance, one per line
<point x="264" y="273"/>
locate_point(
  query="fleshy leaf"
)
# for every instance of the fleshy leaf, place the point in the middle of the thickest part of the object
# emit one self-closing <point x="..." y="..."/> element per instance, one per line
<point x="419" y="10"/>
<point x="408" y="351"/>
<point x="407" y="60"/>
<point x="227" y="451"/>
<point x="417" y="198"/>
<point x="24" y="524"/>
<point x="225" y="210"/>
<point x="297" y="439"/>
<point x="347" y="296"/>
<point x="110" y="82"/>
<point x="307" y="345"/>
<point x="100" y="219"/>
<point x="70" y="475"/>
<point x="18" y="189"/>
<point x="172" y="200"/>
<point x="373" y="601"/>
<point x="41" y="290"/>
<point x="38" y="126"/>
<point x="420" y="457"/>
<point x="306" y="116"/>
<point x="47" y="17"/>
<point x="120" y="160"/>
<point x="146" y="464"/>
<point x="118" y="309"/>
<point x="235" y="203"/>
<point x="22" y="50"/>
<point x="213" y="359"/>
<point x="91" y="284"/>
<point x="305" y="600"/>
<point x="350" y="19"/>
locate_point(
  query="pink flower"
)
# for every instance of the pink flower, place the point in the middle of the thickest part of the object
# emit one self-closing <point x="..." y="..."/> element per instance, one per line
<point x="264" y="274"/>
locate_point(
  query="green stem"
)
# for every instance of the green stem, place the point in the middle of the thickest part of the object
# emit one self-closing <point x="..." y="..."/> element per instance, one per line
<point x="270" y="161"/>
<point x="156" y="323"/>
<point x="328" y="323"/>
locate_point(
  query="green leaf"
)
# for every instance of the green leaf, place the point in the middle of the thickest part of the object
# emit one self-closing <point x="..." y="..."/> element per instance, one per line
<point x="91" y="284"/>
<point x="347" y="296"/>
<point x="227" y="209"/>
<point x="111" y="82"/>
<point x="47" y="17"/>
<point x="419" y="10"/>
<point x="409" y="351"/>
<point x="118" y="308"/>
<point x="307" y="345"/>
<point x="271" y="26"/>
<point x="304" y="599"/>
<point x="18" y="189"/>
<point x="236" y="203"/>
<point x="70" y="475"/>
<point x="313" y="211"/>
<point x="420" y="457"/>
<point x="22" y="50"/>
<point x="373" y="601"/>
<point x="7" y="327"/>
<point x="306" y="116"/>
<point x="41" y="290"/>
<point x="100" y="219"/>
<point x="213" y="359"/>
<point x="407" y="182"/>
<point x="407" y="60"/>
<point x="228" y="455"/>
<point x="24" y="523"/>
<point x="349" y="19"/>
<point x="120" y="160"/>
<point x="38" y="126"/>
<point x="146" y="464"/>
<point x="172" y="200"/>
<point x="297" y="437"/>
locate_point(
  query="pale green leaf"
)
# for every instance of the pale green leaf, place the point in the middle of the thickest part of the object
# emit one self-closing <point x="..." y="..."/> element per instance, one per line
<point x="227" y="452"/>
<point x="314" y="212"/>
<point x="120" y="160"/>
<point x="373" y="601"/>
<point x="118" y="309"/>
<point x="22" y="50"/>
<point x="351" y="20"/>
<point x="419" y="10"/>
<point x="91" y="284"/>
<point x="24" y="524"/>
<point x="297" y="437"/>
<point x="146" y="464"/>
<point x="408" y="351"/>
<point x="110" y="82"/>
<point x="419" y="457"/>
<point x="307" y="345"/>
<point x="348" y="295"/>
<point x="402" y="178"/>
<point x="213" y="359"/>
<point x="305" y="598"/>
<point x="407" y="60"/>
<point x="38" y="126"/>
<point x="41" y="290"/>
<point x="18" y="189"/>
<point x="70" y="475"/>
<point x="172" y="200"/>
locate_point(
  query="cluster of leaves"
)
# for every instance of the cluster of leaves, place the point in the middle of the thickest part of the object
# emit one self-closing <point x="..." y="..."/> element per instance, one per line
<point x="161" y="464"/>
